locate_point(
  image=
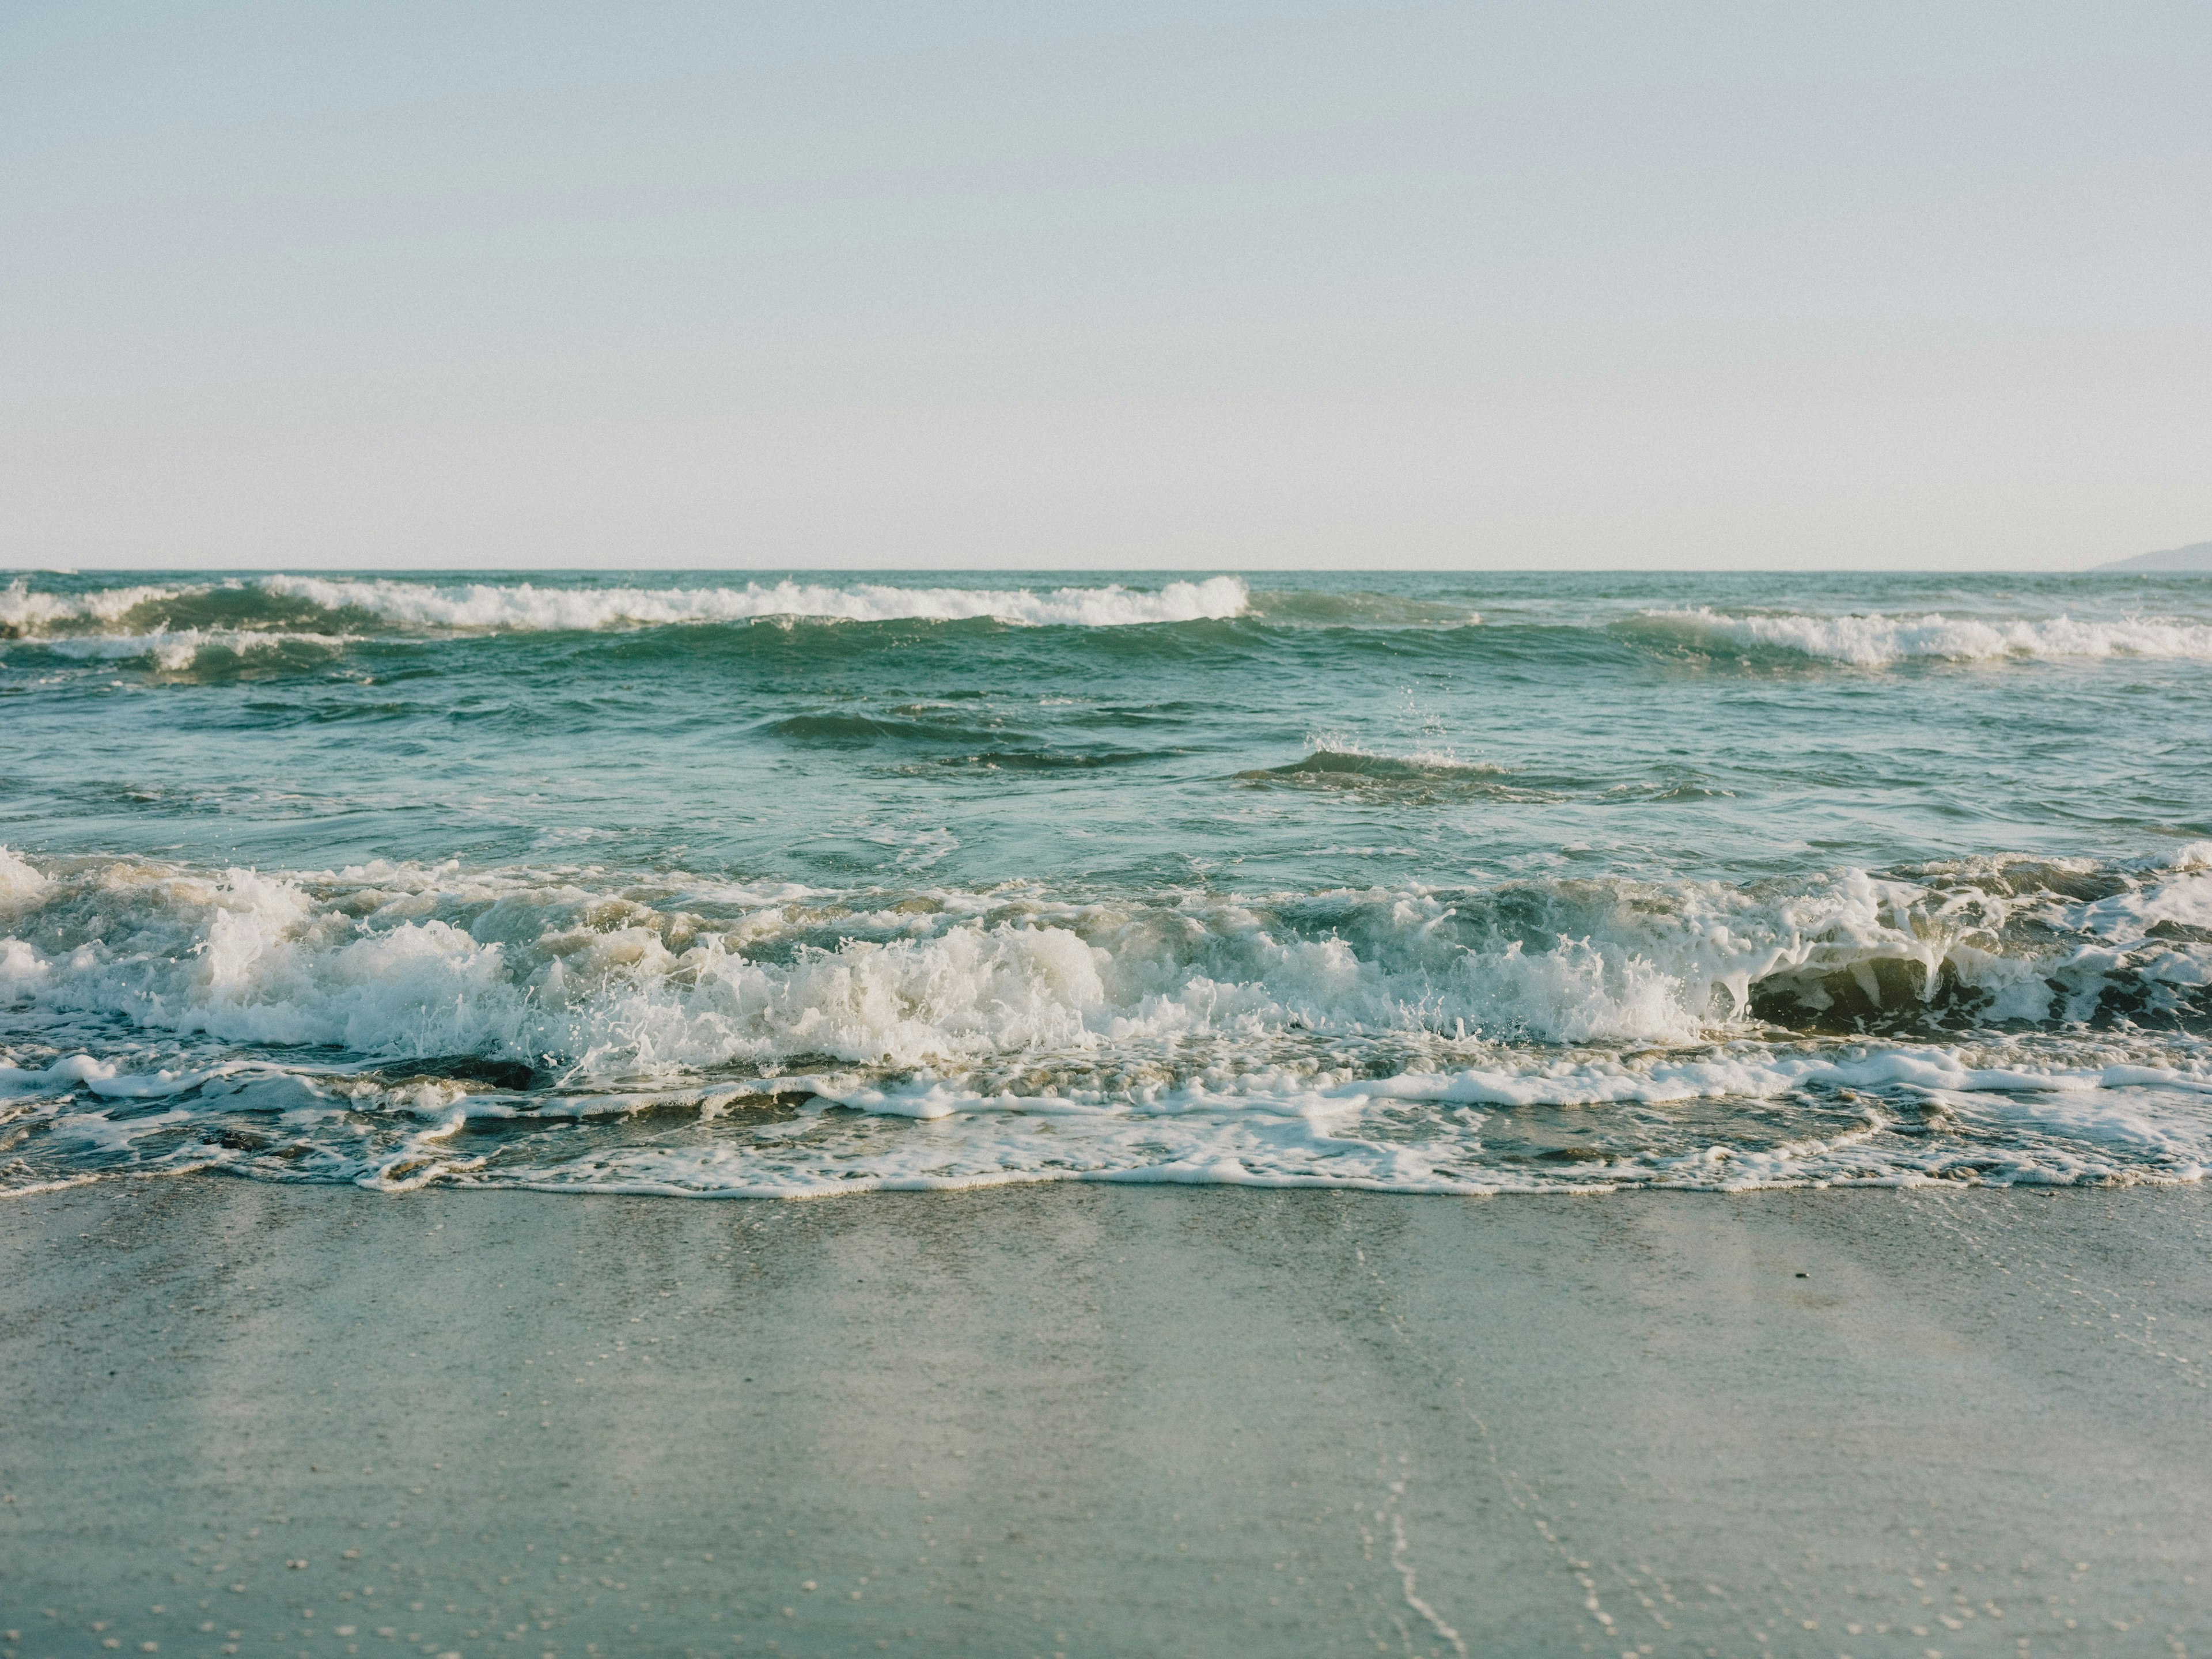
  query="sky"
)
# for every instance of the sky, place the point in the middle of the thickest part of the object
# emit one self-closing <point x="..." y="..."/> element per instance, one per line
<point x="1191" y="285"/>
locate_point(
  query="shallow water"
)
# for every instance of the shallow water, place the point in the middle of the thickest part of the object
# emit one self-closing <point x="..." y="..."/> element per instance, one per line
<point x="717" y="884"/>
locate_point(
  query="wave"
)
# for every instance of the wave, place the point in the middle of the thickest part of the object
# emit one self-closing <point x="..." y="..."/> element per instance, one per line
<point x="412" y="959"/>
<point x="2047" y="1020"/>
<point x="181" y="651"/>
<point x="153" y="620"/>
<point x="1337" y="758"/>
<point x="28" y="614"/>
<point x="1875" y="641"/>
<point x="1337" y="764"/>
<point x="524" y="607"/>
<point x="999" y="748"/>
<point x="862" y="730"/>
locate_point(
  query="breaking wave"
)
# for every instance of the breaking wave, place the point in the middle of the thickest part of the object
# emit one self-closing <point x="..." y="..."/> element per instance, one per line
<point x="2003" y="1019"/>
<point x="1875" y="641"/>
<point x="341" y="605"/>
<point x="524" y="607"/>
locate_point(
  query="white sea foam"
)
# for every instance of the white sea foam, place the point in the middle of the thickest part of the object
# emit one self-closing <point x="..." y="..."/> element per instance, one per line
<point x="2183" y="899"/>
<point x="178" y="650"/>
<point x="1373" y="1038"/>
<point x="1874" y="641"/>
<point x="26" y="612"/>
<point x="524" y="606"/>
<point x="1893" y="1115"/>
<point x="2056" y="1126"/>
<point x="19" y="881"/>
<point x="414" y="959"/>
<point x="100" y="625"/>
<point x="97" y="627"/>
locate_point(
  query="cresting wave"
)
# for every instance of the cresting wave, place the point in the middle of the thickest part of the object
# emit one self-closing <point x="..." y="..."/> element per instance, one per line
<point x="2002" y="1020"/>
<point x="526" y="607"/>
<point x="523" y="607"/>
<point x="1875" y="641"/>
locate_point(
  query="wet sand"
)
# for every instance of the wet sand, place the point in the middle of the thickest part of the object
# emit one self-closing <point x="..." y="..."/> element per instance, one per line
<point x="1104" y="1420"/>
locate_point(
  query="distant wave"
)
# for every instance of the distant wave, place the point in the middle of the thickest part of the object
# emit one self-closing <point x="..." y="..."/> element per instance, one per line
<point x="337" y="606"/>
<point x="271" y="617"/>
<point x="1335" y="755"/>
<point x="1874" y="641"/>
<point x="179" y="651"/>
<point x="26" y="614"/>
<point x="524" y="606"/>
<point x="1336" y="762"/>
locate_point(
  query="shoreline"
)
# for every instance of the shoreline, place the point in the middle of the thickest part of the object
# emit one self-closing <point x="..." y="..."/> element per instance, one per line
<point x="1106" y="1418"/>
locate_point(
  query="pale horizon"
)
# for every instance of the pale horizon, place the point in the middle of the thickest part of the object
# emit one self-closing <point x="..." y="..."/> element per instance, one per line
<point x="1235" y="287"/>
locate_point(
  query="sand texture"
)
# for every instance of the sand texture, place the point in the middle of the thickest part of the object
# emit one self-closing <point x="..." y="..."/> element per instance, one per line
<point x="1073" y="1420"/>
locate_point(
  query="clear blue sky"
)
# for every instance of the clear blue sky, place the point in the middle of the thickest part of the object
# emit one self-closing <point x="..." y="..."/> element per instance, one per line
<point x="1188" y="285"/>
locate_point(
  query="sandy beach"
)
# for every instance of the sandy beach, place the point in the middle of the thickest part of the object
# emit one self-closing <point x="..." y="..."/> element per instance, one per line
<point x="1104" y="1420"/>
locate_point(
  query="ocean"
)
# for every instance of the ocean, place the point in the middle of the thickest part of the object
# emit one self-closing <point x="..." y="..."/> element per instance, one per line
<point x="791" y="886"/>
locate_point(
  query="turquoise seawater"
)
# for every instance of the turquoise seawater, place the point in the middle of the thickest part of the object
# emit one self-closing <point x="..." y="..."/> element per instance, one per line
<point x="792" y="885"/>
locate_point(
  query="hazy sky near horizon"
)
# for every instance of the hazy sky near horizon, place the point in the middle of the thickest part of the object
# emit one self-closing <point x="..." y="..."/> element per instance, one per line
<point x="1205" y="284"/>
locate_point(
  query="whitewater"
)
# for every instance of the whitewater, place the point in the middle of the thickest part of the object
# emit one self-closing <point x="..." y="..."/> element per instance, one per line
<point x="784" y="886"/>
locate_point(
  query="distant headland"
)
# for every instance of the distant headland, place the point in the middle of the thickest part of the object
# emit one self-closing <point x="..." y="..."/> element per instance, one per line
<point x="2198" y="556"/>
